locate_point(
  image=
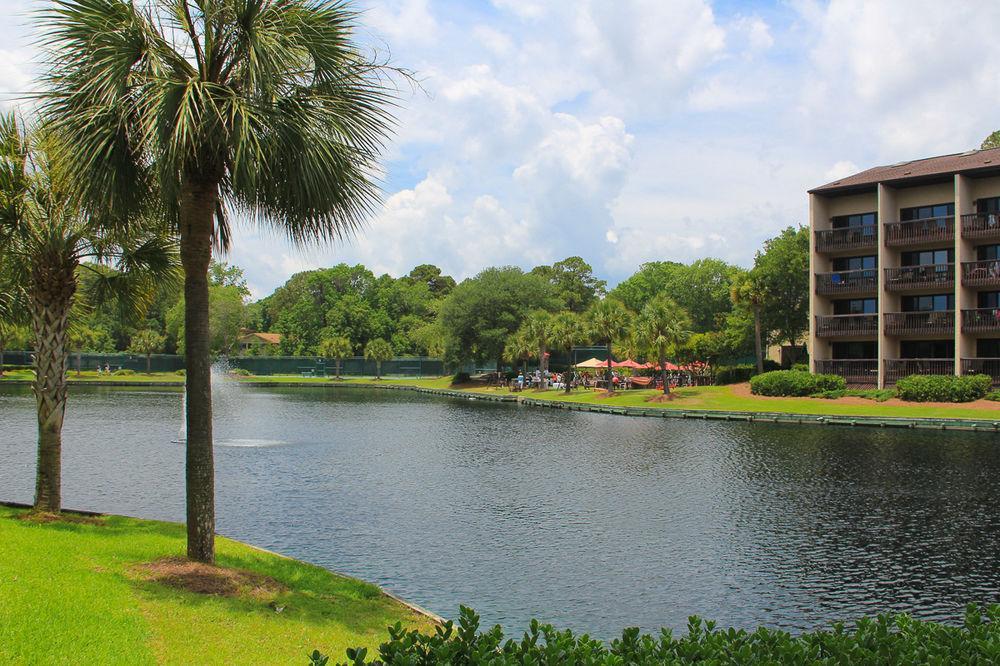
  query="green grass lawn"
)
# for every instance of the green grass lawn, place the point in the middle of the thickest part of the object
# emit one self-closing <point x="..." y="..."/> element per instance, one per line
<point x="75" y="593"/>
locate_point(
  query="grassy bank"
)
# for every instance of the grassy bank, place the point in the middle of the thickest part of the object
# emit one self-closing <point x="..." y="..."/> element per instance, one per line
<point x="102" y="591"/>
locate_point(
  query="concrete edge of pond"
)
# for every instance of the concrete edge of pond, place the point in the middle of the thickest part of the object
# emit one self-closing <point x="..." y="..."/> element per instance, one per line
<point x="420" y="610"/>
<point x="969" y="425"/>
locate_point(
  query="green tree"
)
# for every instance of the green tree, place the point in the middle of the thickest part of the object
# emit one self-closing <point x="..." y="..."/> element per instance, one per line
<point x="518" y="350"/>
<point x="573" y="282"/>
<point x="228" y="275"/>
<point x="13" y="306"/>
<point x="48" y="237"/>
<point x="662" y="328"/>
<point x="227" y="315"/>
<point x="538" y="329"/>
<point x="337" y="348"/>
<point x="147" y="342"/>
<point x="567" y="331"/>
<point x="378" y="350"/>
<point x="84" y="338"/>
<point x="749" y="293"/>
<point x="992" y="141"/>
<point x="781" y="272"/>
<point x="439" y="285"/>
<point x="608" y="321"/>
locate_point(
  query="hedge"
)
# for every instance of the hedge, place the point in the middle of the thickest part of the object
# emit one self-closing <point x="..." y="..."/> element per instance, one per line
<point x="795" y="383"/>
<point x="737" y="374"/>
<point x="886" y="639"/>
<point x="943" y="388"/>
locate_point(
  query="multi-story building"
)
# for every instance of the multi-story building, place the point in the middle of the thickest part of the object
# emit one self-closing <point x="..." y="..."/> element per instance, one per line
<point x="905" y="270"/>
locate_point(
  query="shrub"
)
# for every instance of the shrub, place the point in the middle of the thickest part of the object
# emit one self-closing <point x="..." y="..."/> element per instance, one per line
<point x="794" y="383"/>
<point x="993" y="395"/>
<point x="123" y="372"/>
<point x="886" y="639"/>
<point x="801" y="367"/>
<point x="943" y="388"/>
<point x="461" y="378"/>
<point x="180" y="372"/>
<point x="878" y="395"/>
<point x="734" y="374"/>
<point x="240" y="372"/>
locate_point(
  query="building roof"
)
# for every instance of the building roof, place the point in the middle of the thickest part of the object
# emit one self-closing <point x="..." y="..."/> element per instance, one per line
<point x="929" y="167"/>
<point x="269" y="338"/>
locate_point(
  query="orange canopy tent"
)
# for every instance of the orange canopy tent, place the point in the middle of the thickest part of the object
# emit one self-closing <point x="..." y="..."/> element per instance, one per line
<point x="592" y="363"/>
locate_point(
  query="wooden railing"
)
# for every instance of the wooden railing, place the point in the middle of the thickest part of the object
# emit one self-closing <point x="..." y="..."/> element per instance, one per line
<point x="981" y="320"/>
<point x="981" y="225"/>
<point x="897" y="368"/>
<point x="848" y="238"/>
<point x="941" y="322"/>
<point x="982" y="366"/>
<point x="927" y="230"/>
<point x="846" y="326"/>
<point x="857" y="372"/>
<point x="846" y="282"/>
<point x="905" y="278"/>
<point x="981" y="273"/>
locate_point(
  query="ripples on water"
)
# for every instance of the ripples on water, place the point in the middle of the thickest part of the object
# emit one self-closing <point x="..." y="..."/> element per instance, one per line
<point x="589" y="521"/>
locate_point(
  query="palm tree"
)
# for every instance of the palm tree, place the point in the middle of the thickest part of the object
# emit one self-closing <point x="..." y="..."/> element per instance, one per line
<point x="567" y="331"/>
<point x="518" y="350"/>
<point x="746" y="291"/>
<point x="609" y="320"/>
<point x="49" y="236"/>
<point x="265" y="108"/>
<point x="338" y="348"/>
<point x="537" y="328"/>
<point x="146" y="342"/>
<point x="662" y="326"/>
<point x="378" y="350"/>
<point x="13" y="305"/>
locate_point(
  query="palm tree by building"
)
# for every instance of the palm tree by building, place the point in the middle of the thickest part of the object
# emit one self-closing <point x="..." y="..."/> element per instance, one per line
<point x="662" y="327"/>
<point x="518" y="350"/>
<point x="378" y="350"/>
<point x="537" y="328"/>
<point x="338" y="348"/>
<point x="747" y="292"/>
<point x="608" y="321"/>
<point x="566" y="332"/>
<point x="263" y="108"/>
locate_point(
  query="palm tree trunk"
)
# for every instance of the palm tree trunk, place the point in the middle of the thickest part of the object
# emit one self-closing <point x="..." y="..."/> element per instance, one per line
<point x="1" y="355"/>
<point x="663" y="375"/>
<point x="378" y="369"/>
<point x="53" y="286"/>
<point x="336" y="362"/>
<point x="79" y="361"/>
<point x="611" y="385"/>
<point x="148" y="361"/>
<point x="198" y="204"/>
<point x="756" y="339"/>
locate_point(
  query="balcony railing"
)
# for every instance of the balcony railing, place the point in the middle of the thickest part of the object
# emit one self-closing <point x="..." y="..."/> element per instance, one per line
<point x="849" y="238"/>
<point x="847" y="326"/>
<point x="906" y="278"/>
<point x="846" y="282"/>
<point x="982" y="320"/>
<point x="897" y="368"/>
<point x="981" y="273"/>
<point x="981" y="225"/>
<point x="927" y="230"/>
<point x="982" y="366"/>
<point x="857" y="372"/>
<point x="941" y="322"/>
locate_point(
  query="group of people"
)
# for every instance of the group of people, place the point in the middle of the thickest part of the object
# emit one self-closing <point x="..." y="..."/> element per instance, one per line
<point x="580" y="379"/>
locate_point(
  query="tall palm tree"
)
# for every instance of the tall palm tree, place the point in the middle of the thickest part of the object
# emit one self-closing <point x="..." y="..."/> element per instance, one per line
<point x="265" y="108"/>
<point x="518" y="350"/>
<point x="748" y="292"/>
<point x="378" y="350"/>
<point x="538" y="329"/>
<point x="338" y="348"/>
<point x="49" y="236"/>
<point x="663" y="326"/>
<point x="609" y="320"/>
<point x="567" y="331"/>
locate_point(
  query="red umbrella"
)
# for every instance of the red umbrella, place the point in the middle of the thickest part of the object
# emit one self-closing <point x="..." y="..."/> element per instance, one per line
<point x="627" y="363"/>
<point x="670" y="366"/>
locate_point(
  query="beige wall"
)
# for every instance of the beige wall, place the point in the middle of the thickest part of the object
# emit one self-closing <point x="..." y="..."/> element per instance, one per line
<point x="922" y="195"/>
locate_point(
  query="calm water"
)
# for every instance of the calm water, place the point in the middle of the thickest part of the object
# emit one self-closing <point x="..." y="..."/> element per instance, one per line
<point x="590" y="521"/>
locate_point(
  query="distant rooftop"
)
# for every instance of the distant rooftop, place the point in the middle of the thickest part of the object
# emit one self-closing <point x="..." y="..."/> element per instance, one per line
<point x="929" y="167"/>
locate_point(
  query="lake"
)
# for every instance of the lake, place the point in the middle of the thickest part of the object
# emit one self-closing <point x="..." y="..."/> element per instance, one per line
<point x="589" y="521"/>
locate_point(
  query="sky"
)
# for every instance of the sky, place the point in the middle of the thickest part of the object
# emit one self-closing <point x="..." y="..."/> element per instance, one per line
<point x="633" y="130"/>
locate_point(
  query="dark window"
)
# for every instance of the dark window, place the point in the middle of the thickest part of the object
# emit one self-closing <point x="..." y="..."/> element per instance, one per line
<point x="855" y="306"/>
<point x="927" y="349"/>
<point x="854" y="263"/>
<point x="988" y="299"/>
<point x="988" y="252"/>
<point x="859" y="349"/>
<point x="990" y="205"/>
<point x="925" y="212"/>
<point x="927" y="257"/>
<point x="929" y="303"/>
<point x="988" y="348"/>
<point x="859" y="220"/>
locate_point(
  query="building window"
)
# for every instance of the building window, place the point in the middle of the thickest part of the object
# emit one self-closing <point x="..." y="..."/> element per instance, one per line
<point x="927" y="212"/>
<point x="854" y="350"/>
<point x="858" y="220"/>
<point x="928" y="303"/>
<point x="855" y="263"/>
<point x="988" y="252"/>
<point x="988" y="348"/>
<point x="927" y="349"/>
<point x="988" y="206"/>
<point x="855" y="306"/>
<point x="927" y="257"/>
<point x="988" y="299"/>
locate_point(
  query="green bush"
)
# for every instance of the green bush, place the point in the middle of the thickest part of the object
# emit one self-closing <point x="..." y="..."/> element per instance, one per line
<point x="734" y="374"/>
<point x="801" y="367"/>
<point x="461" y="378"/>
<point x="794" y="383"/>
<point x="123" y="372"/>
<point x="993" y="395"/>
<point x="886" y="639"/>
<point x="241" y="372"/>
<point x="943" y="388"/>
<point x="181" y="372"/>
<point x="878" y="395"/>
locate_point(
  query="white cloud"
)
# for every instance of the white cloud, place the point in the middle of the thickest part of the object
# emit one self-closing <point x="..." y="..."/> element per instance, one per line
<point x="404" y="22"/>
<point x="840" y="170"/>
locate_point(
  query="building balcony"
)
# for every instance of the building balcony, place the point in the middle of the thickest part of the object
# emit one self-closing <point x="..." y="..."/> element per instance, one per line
<point x="982" y="366"/>
<point x="850" y="238"/>
<point x="847" y="326"/>
<point x="845" y="283"/>
<point x="897" y="368"/>
<point x="857" y="372"/>
<point x="981" y="225"/>
<point x="981" y="273"/>
<point x="982" y="320"/>
<point x="941" y="322"/>
<point x="918" y="232"/>
<point x="915" y="278"/>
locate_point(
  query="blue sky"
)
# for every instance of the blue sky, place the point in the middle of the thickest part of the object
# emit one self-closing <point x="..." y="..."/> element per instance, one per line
<point x="633" y="130"/>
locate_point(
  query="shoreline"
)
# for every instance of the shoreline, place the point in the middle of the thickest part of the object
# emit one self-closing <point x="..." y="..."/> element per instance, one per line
<point x="745" y="416"/>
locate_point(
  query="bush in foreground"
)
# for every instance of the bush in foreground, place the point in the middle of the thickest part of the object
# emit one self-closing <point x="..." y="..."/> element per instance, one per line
<point x="795" y="383"/>
<point x="878" y="395"/>
<point x="943" y="388"/>
<point x="884" y="640"/>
